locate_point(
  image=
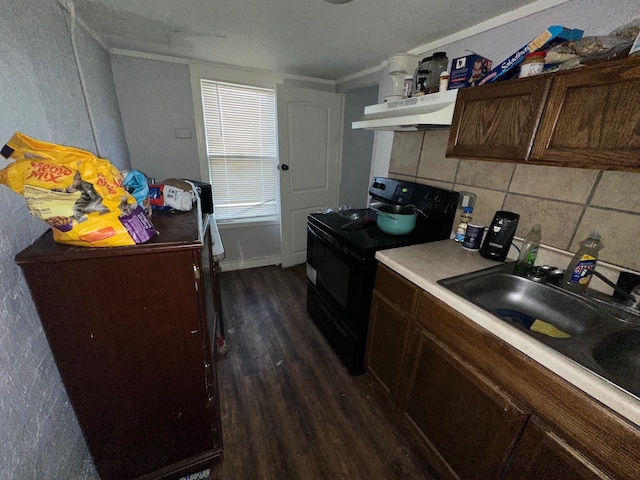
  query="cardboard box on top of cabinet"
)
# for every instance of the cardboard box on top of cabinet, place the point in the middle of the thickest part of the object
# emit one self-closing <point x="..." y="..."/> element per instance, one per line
<point x="467" y="71"/>
<point x="551" y="36"/>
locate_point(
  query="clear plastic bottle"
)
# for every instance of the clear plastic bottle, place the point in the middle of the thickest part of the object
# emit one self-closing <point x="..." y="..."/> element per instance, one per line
<point x="465" y="218"/>
<point x="529" y="251"/>
<point x="578" y="274"/>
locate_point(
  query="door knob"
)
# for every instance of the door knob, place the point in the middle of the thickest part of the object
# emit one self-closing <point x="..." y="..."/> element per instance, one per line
<point x="284" y="167"/>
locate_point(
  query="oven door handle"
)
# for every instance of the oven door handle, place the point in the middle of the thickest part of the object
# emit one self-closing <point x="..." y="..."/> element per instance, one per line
<point x="333" y="244"/>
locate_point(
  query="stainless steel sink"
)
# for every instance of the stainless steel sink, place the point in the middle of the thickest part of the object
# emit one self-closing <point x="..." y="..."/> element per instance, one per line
<point x="501" y="292"/>
<point x="619" y="354"/>
<point x="604" y="338"/>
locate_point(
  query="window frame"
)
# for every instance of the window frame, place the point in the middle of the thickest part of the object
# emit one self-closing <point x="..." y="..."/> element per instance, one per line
<point x="240" y="77"/>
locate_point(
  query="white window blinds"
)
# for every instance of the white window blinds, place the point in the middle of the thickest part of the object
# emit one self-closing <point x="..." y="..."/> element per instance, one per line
<point x="240" y="128"/>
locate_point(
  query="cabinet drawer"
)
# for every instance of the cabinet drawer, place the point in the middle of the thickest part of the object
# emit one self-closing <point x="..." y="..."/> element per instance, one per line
<point x="400" y="292"/>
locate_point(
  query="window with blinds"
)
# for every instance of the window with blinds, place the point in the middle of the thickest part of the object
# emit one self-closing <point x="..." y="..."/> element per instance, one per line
<point x="240" y="129"/>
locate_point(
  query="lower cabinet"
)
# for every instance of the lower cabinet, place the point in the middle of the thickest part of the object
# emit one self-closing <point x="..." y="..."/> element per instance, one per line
<point x="542" y="455"/>
<point x="393" y="305"/>
<point x="483" y="409"/>
<point x="388" y="336"/>
<point x="470" y="424"/>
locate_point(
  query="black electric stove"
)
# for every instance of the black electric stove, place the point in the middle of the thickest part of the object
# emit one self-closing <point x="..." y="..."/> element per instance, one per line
<point x="341" y="247"/>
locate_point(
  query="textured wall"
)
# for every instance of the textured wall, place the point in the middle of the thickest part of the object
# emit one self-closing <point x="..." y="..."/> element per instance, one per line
<point x="40" y="95"/>
<point x="155" y="99"/>
<point x="567" y="202"/>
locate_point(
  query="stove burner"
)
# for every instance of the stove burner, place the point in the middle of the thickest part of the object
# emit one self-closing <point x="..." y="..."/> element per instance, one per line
<point x="359" y="222"/>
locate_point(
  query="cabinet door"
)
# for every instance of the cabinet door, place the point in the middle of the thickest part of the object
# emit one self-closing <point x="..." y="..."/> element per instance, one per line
<point x="386" y="344"/>
<point x="592" y="119"/>
<point x="497" y="122"/>
<point x="469" y="424"/>
<point x="542" y="455"/>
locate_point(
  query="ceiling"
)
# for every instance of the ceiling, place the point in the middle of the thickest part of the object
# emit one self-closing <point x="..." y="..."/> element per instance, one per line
<point x="310" y="38"/>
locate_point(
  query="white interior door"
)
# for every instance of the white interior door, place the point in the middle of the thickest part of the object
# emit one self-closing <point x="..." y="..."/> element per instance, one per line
<point x="309" y="126"/>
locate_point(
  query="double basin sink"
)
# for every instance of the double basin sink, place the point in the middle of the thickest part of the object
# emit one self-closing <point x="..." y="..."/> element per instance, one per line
<point x="589" y="329"/>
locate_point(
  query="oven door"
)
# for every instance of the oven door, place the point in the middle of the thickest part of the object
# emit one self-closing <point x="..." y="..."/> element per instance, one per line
<point x="342" y="279"/>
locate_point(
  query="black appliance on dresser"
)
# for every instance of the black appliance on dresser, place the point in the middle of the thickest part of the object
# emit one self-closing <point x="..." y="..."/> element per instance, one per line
<point x="341" y="265"/>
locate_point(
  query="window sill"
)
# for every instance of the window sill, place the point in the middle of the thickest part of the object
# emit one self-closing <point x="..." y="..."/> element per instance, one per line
<point x="248" y="222"/>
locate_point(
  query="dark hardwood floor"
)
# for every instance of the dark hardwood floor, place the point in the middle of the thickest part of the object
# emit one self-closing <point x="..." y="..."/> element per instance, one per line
<point x="289" y="408"/>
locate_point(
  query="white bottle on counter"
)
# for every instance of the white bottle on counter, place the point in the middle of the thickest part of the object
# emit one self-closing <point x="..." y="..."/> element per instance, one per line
<point x="465" y="218"/>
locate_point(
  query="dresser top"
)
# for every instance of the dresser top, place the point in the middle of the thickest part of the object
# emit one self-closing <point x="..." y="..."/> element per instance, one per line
<point x="176" y="230"/>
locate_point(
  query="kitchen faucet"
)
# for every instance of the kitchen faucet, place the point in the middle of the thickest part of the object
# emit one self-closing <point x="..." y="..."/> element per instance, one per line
<point x="632" y="299"/>
<point x="547" y="274"/>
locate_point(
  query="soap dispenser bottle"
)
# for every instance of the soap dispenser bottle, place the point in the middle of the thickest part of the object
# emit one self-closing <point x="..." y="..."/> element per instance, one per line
<point x="529" y="251"/>
<point x="578" y="274"/>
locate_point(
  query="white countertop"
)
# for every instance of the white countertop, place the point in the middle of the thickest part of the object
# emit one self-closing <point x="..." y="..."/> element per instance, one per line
<point x="427" y="263"/>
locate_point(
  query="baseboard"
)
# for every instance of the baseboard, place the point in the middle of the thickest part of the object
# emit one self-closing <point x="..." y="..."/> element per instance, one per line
<point x="227" y="266"/>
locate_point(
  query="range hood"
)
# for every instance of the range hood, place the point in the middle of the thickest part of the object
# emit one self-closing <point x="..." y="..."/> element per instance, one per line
<point x="417" y="113"/>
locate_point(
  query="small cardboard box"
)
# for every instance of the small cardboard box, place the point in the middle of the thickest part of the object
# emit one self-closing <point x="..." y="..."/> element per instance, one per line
<point x="467" y="71"/>
<point x="551" y="36"/>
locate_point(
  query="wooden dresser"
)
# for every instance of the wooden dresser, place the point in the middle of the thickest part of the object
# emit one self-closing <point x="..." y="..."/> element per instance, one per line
<point x="132" y="330"/>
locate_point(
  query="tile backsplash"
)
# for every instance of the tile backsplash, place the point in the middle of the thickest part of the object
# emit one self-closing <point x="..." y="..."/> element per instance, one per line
<point x="567" y="202"/>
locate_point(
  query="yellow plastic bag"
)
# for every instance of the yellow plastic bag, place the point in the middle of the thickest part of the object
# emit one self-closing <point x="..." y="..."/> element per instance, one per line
<point x="77" y="193"/>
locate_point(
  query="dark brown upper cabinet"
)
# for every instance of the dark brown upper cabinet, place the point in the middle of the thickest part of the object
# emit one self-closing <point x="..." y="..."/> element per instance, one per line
<point x="592" y="119"/>
<point x="498" y="122"/>
<point x="585" y="118"/>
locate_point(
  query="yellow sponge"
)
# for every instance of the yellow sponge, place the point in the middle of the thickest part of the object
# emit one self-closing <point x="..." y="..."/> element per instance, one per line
<point x="547" y="329"/>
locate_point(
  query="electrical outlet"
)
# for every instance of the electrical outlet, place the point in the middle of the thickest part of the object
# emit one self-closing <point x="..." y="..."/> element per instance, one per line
<point x="183" y="132"/>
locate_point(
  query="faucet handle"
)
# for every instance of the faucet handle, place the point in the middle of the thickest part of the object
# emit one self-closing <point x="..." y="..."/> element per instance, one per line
<point x="544" y="273"/>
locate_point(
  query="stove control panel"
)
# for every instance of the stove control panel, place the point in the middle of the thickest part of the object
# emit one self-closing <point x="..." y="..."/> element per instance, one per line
<point x="402" y="194"/>
<point x="425" y="197"/>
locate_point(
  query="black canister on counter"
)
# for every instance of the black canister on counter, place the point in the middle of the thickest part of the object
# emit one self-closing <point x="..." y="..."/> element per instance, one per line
<point x="499" y="236"/>
<point x="473" y="236"/>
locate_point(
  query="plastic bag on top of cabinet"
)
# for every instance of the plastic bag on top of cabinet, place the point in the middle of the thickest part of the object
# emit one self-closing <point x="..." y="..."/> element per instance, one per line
<point x="136" y="183"/>
<point x="80" y="195"/>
